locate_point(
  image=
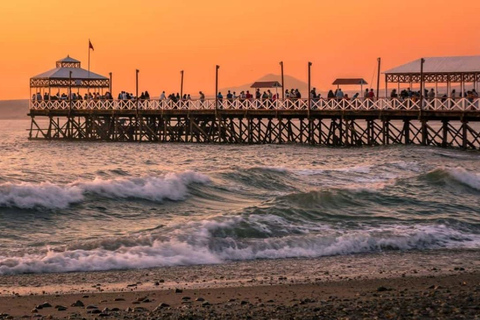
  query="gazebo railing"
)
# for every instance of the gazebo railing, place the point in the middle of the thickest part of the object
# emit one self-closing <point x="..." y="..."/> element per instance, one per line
<point x="437" y="104"/>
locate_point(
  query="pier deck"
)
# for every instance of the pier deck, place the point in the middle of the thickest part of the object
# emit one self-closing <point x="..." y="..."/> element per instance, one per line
<point x="438" y="122"/>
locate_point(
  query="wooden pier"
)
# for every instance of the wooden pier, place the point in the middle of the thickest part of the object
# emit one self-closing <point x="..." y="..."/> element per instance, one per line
<point x="436" y="122"/>
<point x="413" y="118"/>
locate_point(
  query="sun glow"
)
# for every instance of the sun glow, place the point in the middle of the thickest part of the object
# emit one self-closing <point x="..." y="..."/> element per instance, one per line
<point x="246" y="38"/>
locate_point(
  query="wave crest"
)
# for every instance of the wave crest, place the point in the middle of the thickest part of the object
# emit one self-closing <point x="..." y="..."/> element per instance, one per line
<point x="459" y="175"/>
<point x="217" y="241"/>
<point x="26" y="195"/>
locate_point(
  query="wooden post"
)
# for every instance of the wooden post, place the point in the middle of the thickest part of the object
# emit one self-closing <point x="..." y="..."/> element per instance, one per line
<point x="386" y="88"/>
<point x="70" y="90"/>
<point x="309" y="101"/>
<point x="424" y="132"/>
<point x="283" y="83"/>
<point x="136" y="85"/>
<point x="378" y="77"/>
<point x="181" y="84"/>
<point x="216" y="87"/>
<point x="406" y="130"/>
<point x="422" y="61"/>
<point x="111" y="83"/>
<point x="444" y="133"/>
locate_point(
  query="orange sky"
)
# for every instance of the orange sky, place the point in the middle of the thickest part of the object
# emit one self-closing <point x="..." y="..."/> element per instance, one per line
<point x="247" y="38"/>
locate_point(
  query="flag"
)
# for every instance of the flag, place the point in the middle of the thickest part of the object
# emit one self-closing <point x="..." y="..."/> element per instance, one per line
<point x="90" y="46"/>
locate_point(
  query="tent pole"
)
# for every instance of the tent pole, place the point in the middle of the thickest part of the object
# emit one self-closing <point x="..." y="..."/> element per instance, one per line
<point x="386" y="88"/>
<point x="111" y="84"/>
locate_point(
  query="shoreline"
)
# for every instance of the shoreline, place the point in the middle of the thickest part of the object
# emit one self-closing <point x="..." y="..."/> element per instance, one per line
<point x="297" y="286"/>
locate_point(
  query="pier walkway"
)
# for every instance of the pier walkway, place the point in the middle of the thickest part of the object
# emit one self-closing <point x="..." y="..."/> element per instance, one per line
<point x="439" y="122"/>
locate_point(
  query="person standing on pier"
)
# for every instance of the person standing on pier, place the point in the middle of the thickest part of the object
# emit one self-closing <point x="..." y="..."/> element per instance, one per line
<point x="220" y="99"/>
<point x="339" y="94"/>
<point x="330" y="95"/>
<point x="230" y="99"/>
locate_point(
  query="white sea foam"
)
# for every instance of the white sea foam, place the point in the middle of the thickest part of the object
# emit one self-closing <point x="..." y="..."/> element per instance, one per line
<point x="468" y="178"/>
<point x="172" y="186"/>
<point x="215" y="241"/>
<point x="27" y="195"/>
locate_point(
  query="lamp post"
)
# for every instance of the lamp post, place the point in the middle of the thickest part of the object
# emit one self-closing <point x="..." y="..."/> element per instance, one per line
<point x="216" y="86"/>
<point x="136" y="85"/>
<point x="181" y="84"/>
<point x="309" y="88"/>
<point x="378" y="77"/>
<point x="283" y="85"/>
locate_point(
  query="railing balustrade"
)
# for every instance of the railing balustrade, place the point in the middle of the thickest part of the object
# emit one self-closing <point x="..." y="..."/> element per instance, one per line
<point x="437" y="104"/>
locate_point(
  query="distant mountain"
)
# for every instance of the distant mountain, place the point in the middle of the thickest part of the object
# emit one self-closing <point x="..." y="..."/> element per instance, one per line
<point x="290" y="83"/>
<point x="13" y="109"/>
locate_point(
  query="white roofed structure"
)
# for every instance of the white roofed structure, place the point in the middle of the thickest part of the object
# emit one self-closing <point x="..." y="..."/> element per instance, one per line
<point x="60" y="77"/>
<point x="443" y="70"/>
<point x="437" y="69"/>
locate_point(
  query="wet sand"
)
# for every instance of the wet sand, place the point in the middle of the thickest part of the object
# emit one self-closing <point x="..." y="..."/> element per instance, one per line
<point x="418" y="285"/>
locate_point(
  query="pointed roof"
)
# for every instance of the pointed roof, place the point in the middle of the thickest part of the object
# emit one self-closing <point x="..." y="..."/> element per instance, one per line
<point x="62" y="71"/>
<point x="458" y="64"/>
<point x="69" y="60"/>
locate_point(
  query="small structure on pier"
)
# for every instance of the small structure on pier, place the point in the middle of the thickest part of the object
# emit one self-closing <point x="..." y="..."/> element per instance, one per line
<point x="443" y="70"/>
<point x="267" y="84"/>
<point x="349" y="82"/>
<point x="68" y="74"/>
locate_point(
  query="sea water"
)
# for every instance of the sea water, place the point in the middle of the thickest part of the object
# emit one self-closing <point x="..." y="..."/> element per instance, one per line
<point x="85" y="206"/>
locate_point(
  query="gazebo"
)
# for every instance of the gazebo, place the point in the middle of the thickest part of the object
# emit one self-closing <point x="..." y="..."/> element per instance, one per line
<point x="349" y="82"/>
<point x="267" y="84"/>
<point x="68" y="74"/>
<point x="443" y="70"/>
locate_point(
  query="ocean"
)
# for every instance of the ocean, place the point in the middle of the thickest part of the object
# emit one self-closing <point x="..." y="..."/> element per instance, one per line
<point x="90" y="206"/>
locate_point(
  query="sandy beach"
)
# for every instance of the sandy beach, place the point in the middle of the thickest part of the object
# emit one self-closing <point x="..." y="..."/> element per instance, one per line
<point x="418" y="285"/>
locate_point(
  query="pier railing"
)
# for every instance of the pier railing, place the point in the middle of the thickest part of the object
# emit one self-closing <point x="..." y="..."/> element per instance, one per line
<point x="438" y="104"/>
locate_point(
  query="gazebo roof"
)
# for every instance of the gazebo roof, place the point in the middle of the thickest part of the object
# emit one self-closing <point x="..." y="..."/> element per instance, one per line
<point x="459" y="64"/>
<point x="266" y="84"/>
<point x="458" y="69"/>
<point x="69" y="60"/>
<point x="349" y="81"/>
<point x="60" y="76"/>
<point x="64" y="73"/>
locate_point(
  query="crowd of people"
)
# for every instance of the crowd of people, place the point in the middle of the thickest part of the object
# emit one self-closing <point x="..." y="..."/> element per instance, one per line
<point x="430" y="95"/>
<point x="266" y="95"/>
<point x="74" y="96"/>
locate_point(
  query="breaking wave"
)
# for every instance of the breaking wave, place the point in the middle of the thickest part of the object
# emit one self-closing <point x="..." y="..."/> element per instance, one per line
<point x="235" y="238"/>
<point x="458" y="175"/>
<point x="26" y="195"/>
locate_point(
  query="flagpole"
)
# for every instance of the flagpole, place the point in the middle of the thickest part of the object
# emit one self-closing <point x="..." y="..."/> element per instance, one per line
<point x="88" y="81"/>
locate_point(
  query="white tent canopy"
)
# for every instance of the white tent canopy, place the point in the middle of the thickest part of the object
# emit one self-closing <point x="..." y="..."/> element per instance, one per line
<point x="458" y="64"/>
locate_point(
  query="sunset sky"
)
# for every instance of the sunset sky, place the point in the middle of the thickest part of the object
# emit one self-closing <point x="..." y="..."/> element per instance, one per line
<point x="246" y="38"/>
